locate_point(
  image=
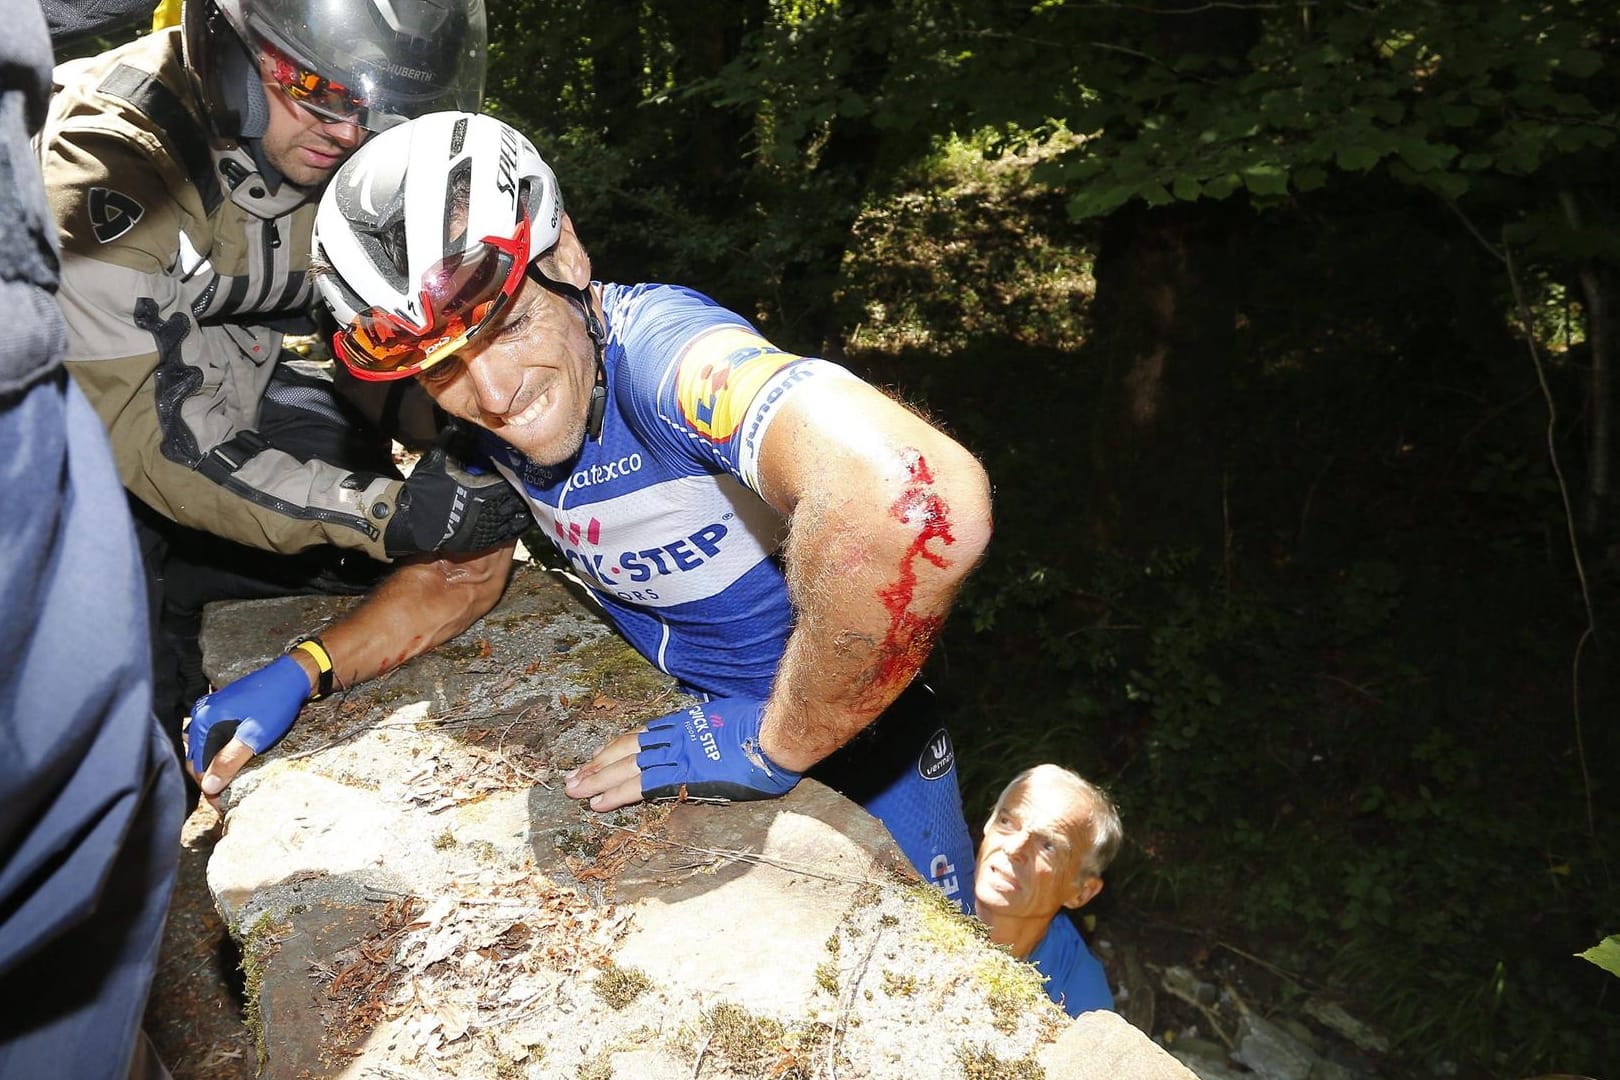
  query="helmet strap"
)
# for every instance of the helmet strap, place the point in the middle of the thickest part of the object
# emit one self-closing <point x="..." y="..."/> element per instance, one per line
<point x="593" y="327"/>
<point x="593" y="419"/>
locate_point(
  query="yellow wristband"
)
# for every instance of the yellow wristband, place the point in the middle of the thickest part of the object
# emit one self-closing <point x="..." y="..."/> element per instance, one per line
<point x="323" y="661"/>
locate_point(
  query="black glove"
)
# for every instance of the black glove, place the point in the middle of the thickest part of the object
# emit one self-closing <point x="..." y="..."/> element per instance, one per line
<point x="443" y="507"/>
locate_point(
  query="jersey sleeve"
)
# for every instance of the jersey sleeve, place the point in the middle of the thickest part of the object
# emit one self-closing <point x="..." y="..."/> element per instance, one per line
<point x="707" y="383"/>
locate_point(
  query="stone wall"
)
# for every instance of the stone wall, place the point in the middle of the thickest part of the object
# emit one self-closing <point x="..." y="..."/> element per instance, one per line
<point x="415" y="897"/>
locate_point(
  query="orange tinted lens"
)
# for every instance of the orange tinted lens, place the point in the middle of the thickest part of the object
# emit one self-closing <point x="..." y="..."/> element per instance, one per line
<point x="312" y="89"/>
<point x="459" y="295"/>
<point x="375" y="345"/>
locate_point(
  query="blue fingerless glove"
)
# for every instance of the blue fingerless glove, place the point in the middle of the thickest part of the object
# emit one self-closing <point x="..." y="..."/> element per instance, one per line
<point x="710" y="751"/>
<point x="258" y="708"/>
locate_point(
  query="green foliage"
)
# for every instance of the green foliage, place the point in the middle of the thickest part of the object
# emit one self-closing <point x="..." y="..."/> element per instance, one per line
<point x="1605" y="954"/>
<point x="1443" y="95"/>
<point x="967" y="250"/>
<point x="1313" y="805"/>
<point x="1312" y="734"/>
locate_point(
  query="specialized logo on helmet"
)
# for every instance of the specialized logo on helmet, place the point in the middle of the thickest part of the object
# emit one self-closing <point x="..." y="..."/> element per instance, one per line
<point x="719" y="377"/>
<point x="112" y="214"/>
<point x="506" y="176"/>
<point x="937" y="757"/>
<point x="364" y="173"/>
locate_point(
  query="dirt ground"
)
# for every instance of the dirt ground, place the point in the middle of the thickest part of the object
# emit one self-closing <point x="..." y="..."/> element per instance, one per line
<point x="194" y="1014"/>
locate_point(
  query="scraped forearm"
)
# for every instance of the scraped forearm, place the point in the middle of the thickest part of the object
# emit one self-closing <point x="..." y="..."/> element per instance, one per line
<point x="424" y="603"/>
<point x="875" y="559"/>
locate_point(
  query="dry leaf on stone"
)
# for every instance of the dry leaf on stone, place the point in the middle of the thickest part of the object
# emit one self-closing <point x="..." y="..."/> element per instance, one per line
<point x="454" y="1021"/>
<point x="440" y="945"/>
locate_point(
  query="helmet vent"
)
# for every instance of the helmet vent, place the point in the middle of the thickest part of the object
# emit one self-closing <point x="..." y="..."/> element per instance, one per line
<point x="457" y="205"/>
<point x="392" y="239"/>
<point x="458" y="136"/>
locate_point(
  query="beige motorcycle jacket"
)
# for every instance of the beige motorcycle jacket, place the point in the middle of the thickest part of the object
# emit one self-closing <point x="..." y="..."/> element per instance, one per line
<point x="178" y="264"/>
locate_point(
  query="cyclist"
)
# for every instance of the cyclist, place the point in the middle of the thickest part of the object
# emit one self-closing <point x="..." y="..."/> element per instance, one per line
<point x="780" y="536"/>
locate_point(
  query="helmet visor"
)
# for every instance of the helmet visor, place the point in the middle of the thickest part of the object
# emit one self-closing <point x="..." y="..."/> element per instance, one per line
<point x="400" y="58"/>
<point x="326" y="99"/>
<point x="460" y="295"/>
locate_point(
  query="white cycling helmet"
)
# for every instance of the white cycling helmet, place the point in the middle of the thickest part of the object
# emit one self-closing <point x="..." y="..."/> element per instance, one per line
<point x="425" y="233"/>
<point x="376" y="62"/>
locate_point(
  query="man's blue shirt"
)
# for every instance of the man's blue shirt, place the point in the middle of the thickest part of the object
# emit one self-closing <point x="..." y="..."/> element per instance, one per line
<point x="1075" y="979"/>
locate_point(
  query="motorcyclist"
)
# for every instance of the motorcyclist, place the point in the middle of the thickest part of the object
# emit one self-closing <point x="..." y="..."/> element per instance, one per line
<point x="182" y="170"/>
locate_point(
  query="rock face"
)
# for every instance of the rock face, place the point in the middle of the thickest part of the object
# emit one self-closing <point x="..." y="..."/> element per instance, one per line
<point x="415" y="897"/>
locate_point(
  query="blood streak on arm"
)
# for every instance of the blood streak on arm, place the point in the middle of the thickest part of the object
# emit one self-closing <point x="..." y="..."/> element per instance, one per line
<point x="911" y="635"/>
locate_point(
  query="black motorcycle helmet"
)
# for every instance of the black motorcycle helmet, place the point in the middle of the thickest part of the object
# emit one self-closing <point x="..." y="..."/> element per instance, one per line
<point x="377" y="62"/>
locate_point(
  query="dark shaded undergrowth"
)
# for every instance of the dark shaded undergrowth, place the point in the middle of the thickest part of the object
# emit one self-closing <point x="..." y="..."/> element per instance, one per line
<point x="1346" y="738"/>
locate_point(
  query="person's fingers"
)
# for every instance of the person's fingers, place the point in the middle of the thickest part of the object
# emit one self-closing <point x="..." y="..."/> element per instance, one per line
<point x="224" y="767"/>
<point x="185" y="758"/>
<point x="626" y="792"/>
<point x="625" y="746"/>
<point x="610" y="782"/>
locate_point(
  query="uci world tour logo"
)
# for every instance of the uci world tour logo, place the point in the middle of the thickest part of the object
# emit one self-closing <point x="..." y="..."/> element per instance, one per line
<point x="937" y="757"/>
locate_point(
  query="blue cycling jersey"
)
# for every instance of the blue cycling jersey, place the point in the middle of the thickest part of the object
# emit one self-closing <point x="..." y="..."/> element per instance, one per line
<point x="658" y="518"/>
<point x="661" y="519"/>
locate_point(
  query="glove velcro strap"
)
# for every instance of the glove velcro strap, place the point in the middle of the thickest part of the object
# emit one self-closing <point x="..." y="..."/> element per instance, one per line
<point x="323" y="661"/>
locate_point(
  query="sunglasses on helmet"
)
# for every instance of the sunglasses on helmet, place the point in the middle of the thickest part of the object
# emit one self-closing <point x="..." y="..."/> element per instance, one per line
<point x="328" y="100"/>
<point x="460" y="295"/>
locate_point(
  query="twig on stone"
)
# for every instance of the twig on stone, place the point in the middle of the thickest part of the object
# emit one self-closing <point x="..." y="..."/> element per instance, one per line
<point x="521" y="771"/>
<point x="518" y="1011"/>
<point x="752" y="857"/>
<point x="394" y="1072"/>
<point x="1273" y="968"/>
<point x="697" y="1066"/>
<point x="847" y="1003"/>
<point x="701" y="800"/>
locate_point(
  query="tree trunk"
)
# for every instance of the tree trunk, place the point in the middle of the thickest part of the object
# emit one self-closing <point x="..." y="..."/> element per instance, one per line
<point x="1163" y="341"/>
<point x="705" y="36"/>
<point x="845" y="169"/>
<point x="1164" y="334"/>
<point x="1597" y="283"/>
<point x="618" y="68"/>
<point x="1602" y="311"/>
